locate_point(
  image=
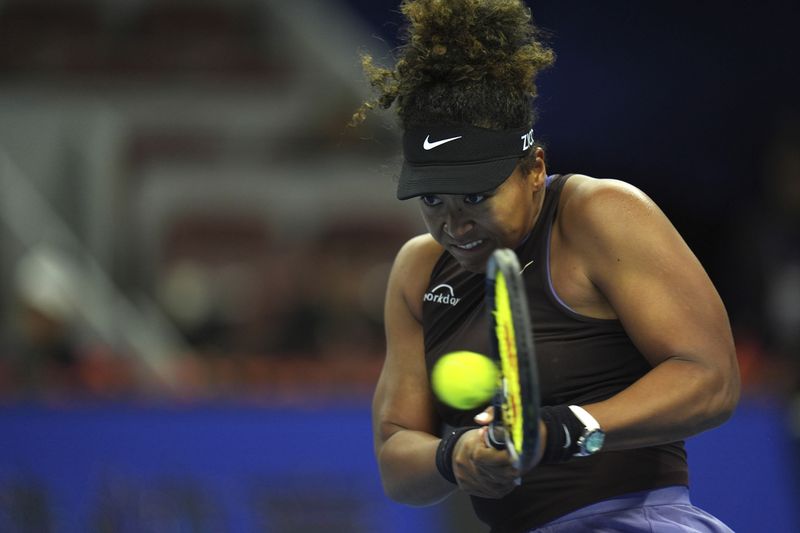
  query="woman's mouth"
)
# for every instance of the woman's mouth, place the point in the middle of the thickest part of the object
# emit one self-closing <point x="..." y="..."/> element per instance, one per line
<point x="469" y="245"/>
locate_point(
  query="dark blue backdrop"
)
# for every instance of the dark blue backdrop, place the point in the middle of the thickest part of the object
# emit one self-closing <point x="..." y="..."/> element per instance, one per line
<point x="240" y="469"/>
<point x="681" y="98"/>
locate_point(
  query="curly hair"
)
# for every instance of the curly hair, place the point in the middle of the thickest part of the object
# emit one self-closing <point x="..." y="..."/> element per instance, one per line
<point x="462" y="62"/>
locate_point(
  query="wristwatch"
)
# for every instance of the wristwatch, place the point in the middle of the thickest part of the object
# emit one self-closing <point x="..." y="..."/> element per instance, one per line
<point x="592" y="439"/>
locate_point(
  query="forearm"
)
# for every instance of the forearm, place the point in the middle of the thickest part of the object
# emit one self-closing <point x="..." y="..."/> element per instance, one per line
<point x="408" y="469"/>
<point x="677" y="399"/>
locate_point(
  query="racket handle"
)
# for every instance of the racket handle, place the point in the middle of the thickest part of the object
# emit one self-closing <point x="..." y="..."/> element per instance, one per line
<point x="495" y="437"/>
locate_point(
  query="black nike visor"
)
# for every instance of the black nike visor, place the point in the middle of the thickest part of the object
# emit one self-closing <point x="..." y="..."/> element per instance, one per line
<point x="459" y="159"/>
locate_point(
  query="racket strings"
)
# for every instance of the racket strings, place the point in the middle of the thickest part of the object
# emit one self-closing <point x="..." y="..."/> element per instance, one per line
<point x="507" y="347"/>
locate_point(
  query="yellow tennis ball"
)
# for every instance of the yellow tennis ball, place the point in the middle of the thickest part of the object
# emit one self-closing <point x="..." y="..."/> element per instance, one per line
<point x="464" y="380"/>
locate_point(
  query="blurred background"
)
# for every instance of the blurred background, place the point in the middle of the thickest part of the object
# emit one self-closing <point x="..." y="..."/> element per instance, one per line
<point x="194" y="247"/>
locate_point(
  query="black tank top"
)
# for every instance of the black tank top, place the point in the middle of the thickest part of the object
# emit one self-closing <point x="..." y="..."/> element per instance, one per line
<point x="581" y="360"/>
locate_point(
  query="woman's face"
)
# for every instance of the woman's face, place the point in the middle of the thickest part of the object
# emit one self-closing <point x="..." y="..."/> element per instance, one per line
<point x="472" y="226"/>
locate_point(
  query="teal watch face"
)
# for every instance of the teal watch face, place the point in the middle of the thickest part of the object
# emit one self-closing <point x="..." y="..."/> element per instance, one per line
<point x="594" y="441"/>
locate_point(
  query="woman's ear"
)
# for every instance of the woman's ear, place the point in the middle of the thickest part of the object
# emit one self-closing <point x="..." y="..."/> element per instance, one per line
<point x="538" y="173"/>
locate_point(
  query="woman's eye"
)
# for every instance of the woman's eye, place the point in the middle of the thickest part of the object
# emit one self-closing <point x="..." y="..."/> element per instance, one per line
<point x="474" y="198"/>
<point x="431" y="200"/>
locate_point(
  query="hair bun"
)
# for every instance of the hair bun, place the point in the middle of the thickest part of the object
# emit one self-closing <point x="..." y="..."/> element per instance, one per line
<point x="469" y="40"/>
<point x="472" y="61"/>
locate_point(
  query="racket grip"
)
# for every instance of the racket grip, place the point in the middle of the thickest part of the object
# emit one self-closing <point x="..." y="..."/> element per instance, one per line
<point x="495" y="437"/>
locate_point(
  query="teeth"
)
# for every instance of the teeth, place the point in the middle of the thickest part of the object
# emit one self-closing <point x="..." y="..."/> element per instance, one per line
<point x="469" y="245"/>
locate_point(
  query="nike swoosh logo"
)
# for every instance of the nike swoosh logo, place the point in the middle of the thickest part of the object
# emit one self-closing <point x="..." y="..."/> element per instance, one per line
<point x="526" y="266"/>
<point x="431" y="145"/>
<point x="566" y="433"/>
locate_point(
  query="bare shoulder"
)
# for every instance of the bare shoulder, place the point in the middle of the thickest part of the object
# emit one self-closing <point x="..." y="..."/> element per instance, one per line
<point x="594" y="208"/>
<point x="417" y="257"/>
<point x="622" y="239"/>
<point x="412" y="270"/>
<point x="585" y="196"/>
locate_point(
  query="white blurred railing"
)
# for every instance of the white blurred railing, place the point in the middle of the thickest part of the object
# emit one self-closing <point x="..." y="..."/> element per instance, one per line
<point x="58" y="273"/>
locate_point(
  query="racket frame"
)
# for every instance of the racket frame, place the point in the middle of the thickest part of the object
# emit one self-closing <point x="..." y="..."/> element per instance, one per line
<point x="520" y="357"/>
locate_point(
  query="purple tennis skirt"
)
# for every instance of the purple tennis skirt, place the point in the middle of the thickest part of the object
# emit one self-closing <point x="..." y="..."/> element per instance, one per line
<point x="666" y="510"/>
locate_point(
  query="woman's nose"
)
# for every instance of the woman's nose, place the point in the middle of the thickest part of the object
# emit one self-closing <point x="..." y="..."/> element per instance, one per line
<point x="457" y="226"/>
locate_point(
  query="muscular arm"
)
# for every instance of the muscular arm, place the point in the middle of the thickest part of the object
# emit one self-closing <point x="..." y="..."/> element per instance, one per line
<point x="404" y="423"/>
<point x="659" y="291"/>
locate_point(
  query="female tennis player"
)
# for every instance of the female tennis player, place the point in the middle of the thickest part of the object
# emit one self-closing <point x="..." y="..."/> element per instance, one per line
<point x="634" y="347"/>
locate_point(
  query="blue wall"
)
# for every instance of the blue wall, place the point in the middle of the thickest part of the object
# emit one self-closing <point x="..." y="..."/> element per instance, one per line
<point x="212" y="468"/>
<point x="209" y="469"/>
<point x="747" y="471"/>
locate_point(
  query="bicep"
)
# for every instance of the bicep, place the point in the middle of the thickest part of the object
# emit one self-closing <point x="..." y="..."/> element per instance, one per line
<point x="402" y="397"/>
<point x="656" y="285"/>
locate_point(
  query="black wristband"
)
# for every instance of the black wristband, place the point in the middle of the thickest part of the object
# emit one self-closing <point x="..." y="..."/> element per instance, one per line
<point x="444" y="453"/>
<point x="563" y="431"/>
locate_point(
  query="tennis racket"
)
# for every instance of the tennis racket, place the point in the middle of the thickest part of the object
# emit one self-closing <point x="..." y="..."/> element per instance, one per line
<point x="516" y="404"/>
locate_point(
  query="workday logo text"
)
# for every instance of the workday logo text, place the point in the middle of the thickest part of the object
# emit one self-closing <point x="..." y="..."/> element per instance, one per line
<point x="442" y="294"/>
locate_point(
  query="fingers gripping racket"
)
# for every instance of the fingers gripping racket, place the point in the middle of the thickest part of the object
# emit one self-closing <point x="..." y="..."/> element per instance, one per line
<point x="516" y="404"/>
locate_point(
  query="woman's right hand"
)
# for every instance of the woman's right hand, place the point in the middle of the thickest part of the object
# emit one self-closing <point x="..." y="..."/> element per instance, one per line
<point x="480" y="469"/>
